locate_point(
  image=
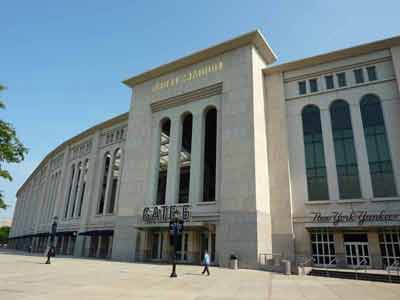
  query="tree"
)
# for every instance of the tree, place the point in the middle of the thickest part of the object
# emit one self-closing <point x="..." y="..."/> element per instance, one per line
<point x="11" y="149"/>
<point x="4" y="232"/>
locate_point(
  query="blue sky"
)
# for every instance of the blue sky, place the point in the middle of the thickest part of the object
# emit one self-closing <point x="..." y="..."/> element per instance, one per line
<point x="63" y="61"/>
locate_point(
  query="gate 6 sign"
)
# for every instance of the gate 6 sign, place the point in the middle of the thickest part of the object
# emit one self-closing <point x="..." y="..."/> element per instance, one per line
<point x="165" y="213"/>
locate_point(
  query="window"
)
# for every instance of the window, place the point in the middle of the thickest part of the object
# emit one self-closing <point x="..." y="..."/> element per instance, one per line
<point x="341" y="77"/>
<point x="314" y="151"/>
<point x="359" y="75"/>
<point x="323" y="248"/>
<point x="302" y="87"/>
<point x="165" y="132"/>
<point x="390" y="247"/>
<point x="313" y="85"/>
<point x="106" y="168"/>
<point x="85" y="171"/>
<point x="371" y="71"/>
<point x="210" y="155"/>
<point x="329" y="82"/>
<point x="115" y="173"/>
<point x="185" y="158"/>
<point x="69" y="191"/>
<point x="346" y="160"/>
<point x="380" y="163"/>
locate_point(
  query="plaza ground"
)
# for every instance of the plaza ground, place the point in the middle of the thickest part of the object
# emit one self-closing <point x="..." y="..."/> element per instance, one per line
<point x="27" y="277"/>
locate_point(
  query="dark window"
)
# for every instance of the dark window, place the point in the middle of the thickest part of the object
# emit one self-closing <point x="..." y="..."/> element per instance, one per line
<point x="210" y="155"/>
<point x="163" y="163"/>
<point x="313" y="85"/>
<point x="106" y="167"/>
<point x="359" y="75"/>
<point x="380" y="163"/>
<point x="314" y="151"/>
<point x="302" y="87"/>
<point x="185" y="159"/>
<point x="341" y="77"/>
<point x="371" y="73"/>
<point x="329" y="82"/>
<point x="346" y="161"/>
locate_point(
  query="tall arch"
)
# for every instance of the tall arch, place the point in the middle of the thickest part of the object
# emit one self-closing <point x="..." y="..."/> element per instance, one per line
<point x="77" y="182"/>
<point x="317" y="182"/>
<point x="185" y="157"/>
<point x="210" y="154"/>
<point x="71" y="182"/>
<point x="379" y="158"/>
<point x="115" y="174"/>
<point x="103" y="187"/>
<point x="345" y="153"/>
<point x="83" y="189"/>
<point x="165" y="134"/>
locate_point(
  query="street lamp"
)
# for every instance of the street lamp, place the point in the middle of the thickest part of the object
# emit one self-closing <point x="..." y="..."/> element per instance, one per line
<point x="175" y="229"/>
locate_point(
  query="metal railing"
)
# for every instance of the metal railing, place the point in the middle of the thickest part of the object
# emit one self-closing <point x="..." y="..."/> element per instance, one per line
<point x="330" y="264"/>
<point x="303" y="265"/>
<point x="394" y="266"/>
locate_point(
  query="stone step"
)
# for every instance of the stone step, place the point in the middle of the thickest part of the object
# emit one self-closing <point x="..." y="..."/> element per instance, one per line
<point x="355" y="275"/>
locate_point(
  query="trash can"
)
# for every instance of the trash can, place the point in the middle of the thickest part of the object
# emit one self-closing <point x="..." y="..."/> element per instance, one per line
<point x="286" y="267"/>
<point x="233" y="260"/>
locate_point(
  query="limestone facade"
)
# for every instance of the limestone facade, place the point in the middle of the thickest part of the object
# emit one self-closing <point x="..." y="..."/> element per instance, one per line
<point x="239" y="169"/>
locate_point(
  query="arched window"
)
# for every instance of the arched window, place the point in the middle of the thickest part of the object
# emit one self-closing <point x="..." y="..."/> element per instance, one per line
<point x="83" y="189"/>
<point x="346" y="159"/>
<point x="71" y="182"/>
<point x="78" y="177"/>
<point x="380" y="163"/>
<point x="210" y="155"/>
<point x="314" y="151"/>
<point x="185" y="158"/>
<point x="165" y="133"/>
<point x="106" y="168"/>
<point x="115" y="173"/>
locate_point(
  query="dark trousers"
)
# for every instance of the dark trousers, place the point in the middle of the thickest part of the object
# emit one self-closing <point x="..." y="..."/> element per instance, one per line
<point x="206" y="270"/>
<point x="48" y="259"/>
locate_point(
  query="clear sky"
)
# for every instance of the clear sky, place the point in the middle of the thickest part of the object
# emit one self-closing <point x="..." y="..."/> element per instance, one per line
<point x="63" y="61"/>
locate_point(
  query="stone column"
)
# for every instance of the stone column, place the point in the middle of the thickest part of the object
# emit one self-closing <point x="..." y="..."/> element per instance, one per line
<point x="329" y="151"/>
<point x="173" y="161"/>
<point x="197" y="160"/>
<point x="361" y="151"/>
<point x="374" y="249"/>
<point x="340" y="249"/>
<point x="155" y="164"/>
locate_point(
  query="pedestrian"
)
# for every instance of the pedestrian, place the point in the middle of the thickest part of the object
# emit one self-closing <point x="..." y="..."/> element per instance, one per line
<point x="206" y="263"/>
<point x="50" y="253"/>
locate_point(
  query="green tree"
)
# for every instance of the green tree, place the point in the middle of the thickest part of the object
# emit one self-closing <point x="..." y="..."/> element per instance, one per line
<point x="11" y="149"/>
<point x="4" y="232"/>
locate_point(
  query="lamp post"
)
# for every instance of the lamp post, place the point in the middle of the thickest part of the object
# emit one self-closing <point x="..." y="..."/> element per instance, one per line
<point x="175" y="229"/>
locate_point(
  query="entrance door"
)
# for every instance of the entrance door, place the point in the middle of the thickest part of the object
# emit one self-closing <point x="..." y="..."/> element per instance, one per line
<point x="208" y="243"/>
<point x="182" y="247"/>
<point x="157" y="245"/>
<point x="357" y="252"/>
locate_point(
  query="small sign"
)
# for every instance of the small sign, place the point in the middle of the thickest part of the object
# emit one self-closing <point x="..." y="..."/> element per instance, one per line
<point x="165" y="213"/>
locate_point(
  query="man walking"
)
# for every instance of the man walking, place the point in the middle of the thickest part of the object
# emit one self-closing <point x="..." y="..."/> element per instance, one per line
<point x="50" y="253"/>
<point x="206" y="263"/>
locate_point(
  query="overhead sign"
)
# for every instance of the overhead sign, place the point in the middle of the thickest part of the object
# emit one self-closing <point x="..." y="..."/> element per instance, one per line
<point x="359" y="217"/>
<point x="165" y="213"/>
<point x="199" y="72"/>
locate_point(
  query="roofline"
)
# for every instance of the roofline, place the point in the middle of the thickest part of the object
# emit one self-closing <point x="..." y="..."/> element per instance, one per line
<point x="74" y="139"/>
<point x="335" y="55"/>
<point x="254" y="37"/>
